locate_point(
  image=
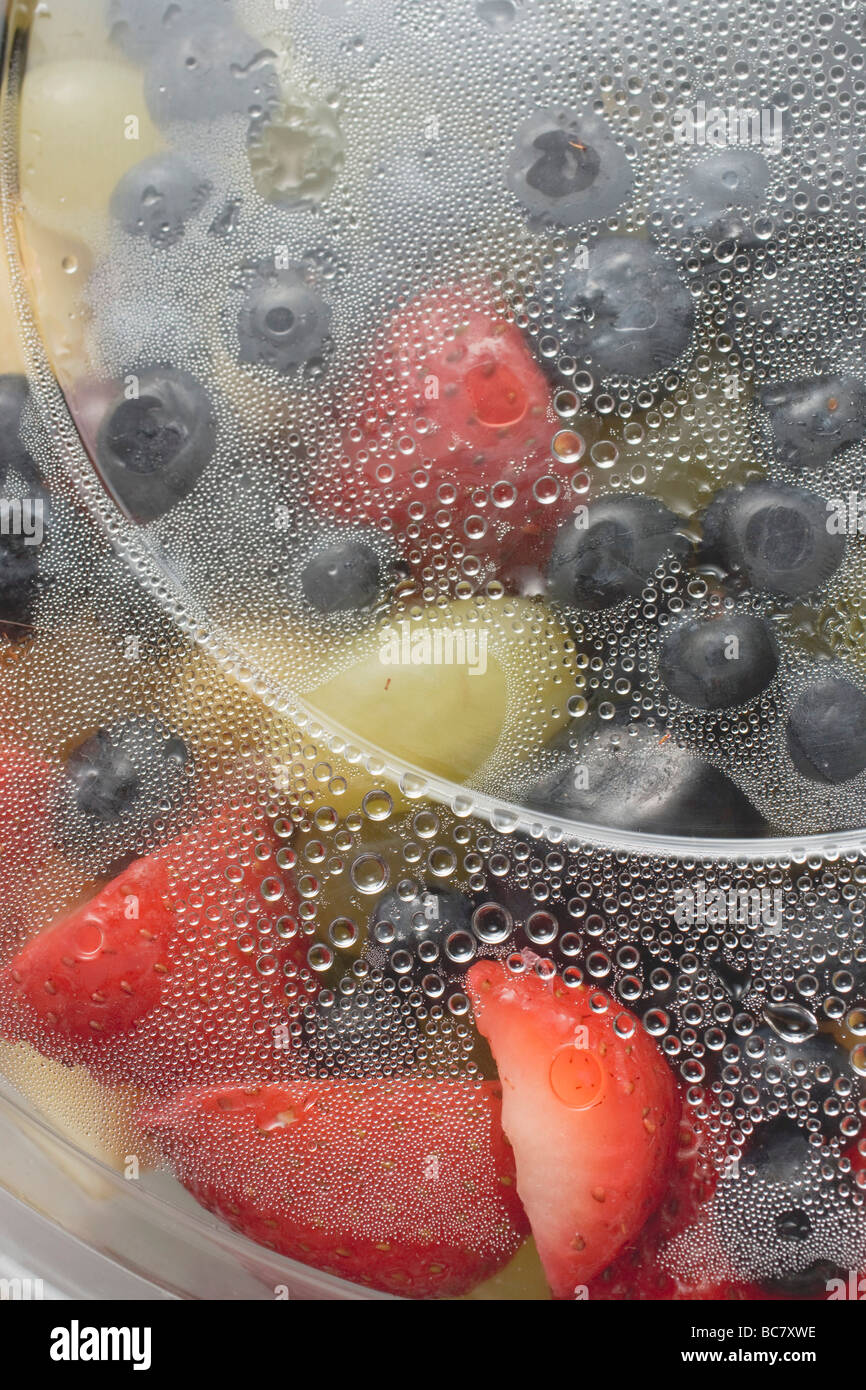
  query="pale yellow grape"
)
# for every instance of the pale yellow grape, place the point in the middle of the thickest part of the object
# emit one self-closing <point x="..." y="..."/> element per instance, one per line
<point x="450" y="719"/>
<point x="56" y="267"/>
<point x="69" y="29"/>
<point x="83" y="124"/>
<point x="522" y="1280"/>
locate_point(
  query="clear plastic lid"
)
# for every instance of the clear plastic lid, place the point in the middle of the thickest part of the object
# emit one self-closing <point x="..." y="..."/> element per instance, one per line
<point x="432" y="439"/>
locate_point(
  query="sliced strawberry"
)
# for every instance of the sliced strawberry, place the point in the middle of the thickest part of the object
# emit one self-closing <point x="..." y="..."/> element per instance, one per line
<point x="405" y="1186"/>
<point x="454" y="433"/>
<point x="590" y="1107"/>
<point x="178" y="969"/>
<point x="93" y="974"/>
<point x="642" y="1270"/>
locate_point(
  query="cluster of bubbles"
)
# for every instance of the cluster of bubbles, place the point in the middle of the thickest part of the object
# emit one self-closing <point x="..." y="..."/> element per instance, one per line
<point x="249" y="296"/>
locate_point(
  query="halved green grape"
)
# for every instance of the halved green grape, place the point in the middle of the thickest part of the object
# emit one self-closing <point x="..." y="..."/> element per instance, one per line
<point x="448" y="688"/>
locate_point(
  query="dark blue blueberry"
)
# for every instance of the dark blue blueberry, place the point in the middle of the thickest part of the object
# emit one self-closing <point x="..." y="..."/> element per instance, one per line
<point x="810" y="1283"/>
<point x="152" y="449"/>
<point x="793" y="1225"/>
<point x="120" y="783"/>
<point x="157" y="197"/>
<point x="284" y="320"/>
<point x="140" y="27"/>
<point x="568" y="168"/>
<point x="104" y="777"/>
<point x="426" y="935"/>
<point x="420" y="927"/>
<point x="115" y="770"/>
<point x="776" y="536"/>
<point x="779" y="1151"/>
<point x="627" y="313"/>
<point x="608" y="551"/>
<point x="209" y="70"/>
<point x="812" y="419"/>
<point x="827" y="731"/>
<point x="764" y="1214"/>
<point x="719" y="663"/>
<point x="727" y="180"/>
<point x="626" y="778"/>
<point x="20" y="584"/>
<point x="342" y="578"/>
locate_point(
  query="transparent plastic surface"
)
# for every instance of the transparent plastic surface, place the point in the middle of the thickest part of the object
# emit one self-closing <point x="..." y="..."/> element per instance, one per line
<point x="432" y="586"/>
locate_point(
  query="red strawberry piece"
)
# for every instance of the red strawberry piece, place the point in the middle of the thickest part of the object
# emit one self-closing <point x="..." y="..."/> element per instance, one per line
<point x="177" y="970"/>
<point x="93" y="974"/>
<point x="404" y="1186"/>
<point x="644" y="1270"/>
<point x="591" y="1110"/>
<point x="454" y="434"/>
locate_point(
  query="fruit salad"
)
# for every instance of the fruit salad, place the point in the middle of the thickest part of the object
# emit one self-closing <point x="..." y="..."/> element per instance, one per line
<point x="433" y="632"/>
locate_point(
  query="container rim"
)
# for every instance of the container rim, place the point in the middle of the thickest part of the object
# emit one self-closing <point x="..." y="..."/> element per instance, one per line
<point x="201" y="1225"/>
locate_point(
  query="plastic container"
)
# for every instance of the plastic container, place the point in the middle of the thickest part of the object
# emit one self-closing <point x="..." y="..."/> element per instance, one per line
<point x="193" y="613"/>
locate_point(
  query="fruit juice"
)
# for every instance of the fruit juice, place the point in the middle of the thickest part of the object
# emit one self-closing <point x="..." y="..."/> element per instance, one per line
<point x="432" y="666"/>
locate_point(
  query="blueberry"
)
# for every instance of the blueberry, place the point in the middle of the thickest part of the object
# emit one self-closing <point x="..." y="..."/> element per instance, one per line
<point x="728" y="179"/>
<point x="284" y="320"/>
<point x="812" y="419"/>
<point x="793" y="1225"/>
<point x="120" y="782"/>
<point x="104" y="777"/>
<point x="153" y="448"/>
<point x="341" y="578"/>
<point x="209" y="70"/>
<point x="810" y="1283"/>
<point x="114" y="770"/>
<point x="719" y="663"/>
<point x="627" y="312"/>
<point x="568" y="168"/>
<point x="607" y="552"/>
<point x="776" y="536"/>
<point x="827" y="731"/>
<point x="157" y="197"/>
<point x="419" y="927"/>
<point x="140" y="27"/>
<point x="20" y="584"/>
<point x="625" y="778"/>
<point x="764" y="1218"/>
<point x="780" y="1151"/>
